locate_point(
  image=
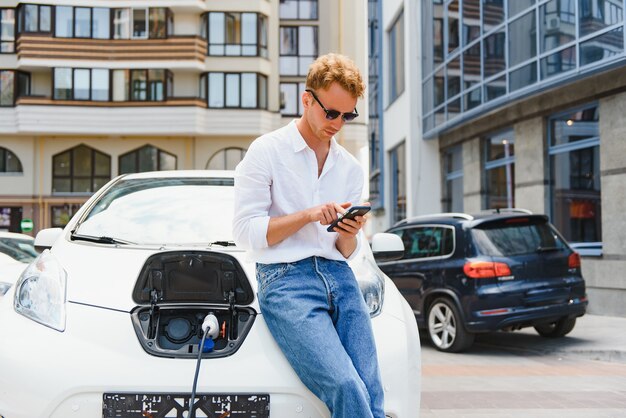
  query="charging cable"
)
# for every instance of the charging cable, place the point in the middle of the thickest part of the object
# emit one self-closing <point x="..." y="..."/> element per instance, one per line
<point x="210" y="328"/>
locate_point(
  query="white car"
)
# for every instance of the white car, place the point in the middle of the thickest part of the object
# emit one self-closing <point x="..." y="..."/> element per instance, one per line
<point x="16" y="251"/>
<point x="108" y="322"/>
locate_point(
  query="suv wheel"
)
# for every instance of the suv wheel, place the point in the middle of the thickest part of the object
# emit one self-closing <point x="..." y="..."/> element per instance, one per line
<point x="445" y="327"/>
<point x="556" y="329"/>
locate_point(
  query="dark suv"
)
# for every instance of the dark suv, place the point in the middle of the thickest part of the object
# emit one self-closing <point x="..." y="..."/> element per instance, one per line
<point x="466" y="274"/>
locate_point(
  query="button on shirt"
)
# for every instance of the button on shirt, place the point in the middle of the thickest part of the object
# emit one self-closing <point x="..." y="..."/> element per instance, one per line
<point x="278" y="176"/>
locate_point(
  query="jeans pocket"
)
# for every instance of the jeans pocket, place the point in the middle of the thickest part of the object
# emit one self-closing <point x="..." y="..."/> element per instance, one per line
<point x="266" y="274"/>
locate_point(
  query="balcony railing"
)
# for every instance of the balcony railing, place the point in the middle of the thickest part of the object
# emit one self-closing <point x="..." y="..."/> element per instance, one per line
<point x="178" y="48"/>
<point x="175" y="101"/>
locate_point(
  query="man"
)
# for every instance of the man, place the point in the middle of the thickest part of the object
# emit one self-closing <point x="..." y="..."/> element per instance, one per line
<point x="290" y="186"/>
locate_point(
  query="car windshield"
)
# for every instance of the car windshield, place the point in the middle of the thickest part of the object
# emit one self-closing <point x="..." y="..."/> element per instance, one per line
<point x="501" y="239"/>
<point x="19" y="249"/>
<point x="179" y="211"/>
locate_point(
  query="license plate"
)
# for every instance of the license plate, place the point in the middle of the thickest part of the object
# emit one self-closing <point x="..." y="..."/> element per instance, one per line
<point x="160" y="405"/>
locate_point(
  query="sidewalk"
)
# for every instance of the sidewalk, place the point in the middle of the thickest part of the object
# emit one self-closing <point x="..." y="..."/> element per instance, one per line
<point x="594" y="337"/>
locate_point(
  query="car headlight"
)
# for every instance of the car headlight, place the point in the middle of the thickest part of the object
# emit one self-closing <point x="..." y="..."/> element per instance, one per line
<point x="4" y="288"/>
<point x="40" y="292"/>
<point x="372" y="285"/>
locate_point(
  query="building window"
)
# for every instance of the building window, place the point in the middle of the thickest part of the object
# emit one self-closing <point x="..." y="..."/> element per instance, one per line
<point x="13" y="84"/>
<point x="81" y="169"/>
<point x="397" y="160"/>
<point x="10" y="218"/>
<point x="499" y="163"/>
<point x="235" y="90"/>
<point x="82" y="22"/>
<point x="396" y="58"/>
<point x="374" y="127"/>
<point x="235" y="34"/>
<point x="9" y="163"/>
<point x="298" y="9"/>
<point x="291" y="98"/>
<point x="7" y="31"/>
<point x="453" y="179"/>
<point x="34" y="18"/>
<point x="226" y="159"/>
<point x="146" y="158"/>
<point x="81" y="84"/>
<point x="141" y="85"/>
<point x="298" y="49"/>
<point x="575" y="187"/>
<point x="427" y="241"/>
<point x="142" y="23"/>
<point x="61" y="214"/>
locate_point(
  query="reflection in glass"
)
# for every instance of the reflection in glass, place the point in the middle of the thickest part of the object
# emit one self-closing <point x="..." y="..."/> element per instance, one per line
<point x="226" y="159"/>
<point x="81" y="84"/>
<point x="100" y="84"/>
<point x="454" y="77"/>
<point x="232" y="90"/>
<point x="471" y="20"/>
<point x="493" y="14"/>
<point x="64" y="23"/>
<point x="454" y="108"/>
<point x="522" y="39"/>
<point x="248" y="90"/>
<point x="495" y="88"/>
<point x="557" y="24"/>
<point x="453" y="25"/>
<point x="438" y="33"/>
<point x="101" y="25"/>
<point x="595" y="15"/>
<point x="522" y="77"/>
<point x="471" y="66"/>
<point x="559" y="62"/>
<point x="440" y="93"/>
<point x="82" y="22"/>
<point x="516" y="6"/>
<point x="472" y="98"/>
<point x="216" y="90"/>
<point x="493" y="53"/>
<point x="576" y="126"/>
<point x="602" y="47"/>
<point x="62" y="83"/>
<point x="453" y="168"/>
<point x="6" y="88"/>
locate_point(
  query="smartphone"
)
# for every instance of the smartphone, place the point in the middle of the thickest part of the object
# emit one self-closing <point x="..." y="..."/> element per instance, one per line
<point x="351" y="213"/>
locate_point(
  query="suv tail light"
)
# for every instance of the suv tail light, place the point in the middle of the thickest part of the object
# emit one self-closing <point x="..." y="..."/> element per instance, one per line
<point x="485" y="269"/>
<point x="573" y="261"/>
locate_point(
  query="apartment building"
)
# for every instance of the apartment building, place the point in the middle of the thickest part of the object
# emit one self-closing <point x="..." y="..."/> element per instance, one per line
<point x="521" y="104"/>
<point x="93" y="89"/>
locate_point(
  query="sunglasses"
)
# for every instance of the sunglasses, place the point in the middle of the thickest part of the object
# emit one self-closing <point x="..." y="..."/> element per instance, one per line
<point x="334" y="114"/>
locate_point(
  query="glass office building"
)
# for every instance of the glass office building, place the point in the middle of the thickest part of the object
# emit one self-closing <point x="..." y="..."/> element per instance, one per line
<point x="479" y="54"/>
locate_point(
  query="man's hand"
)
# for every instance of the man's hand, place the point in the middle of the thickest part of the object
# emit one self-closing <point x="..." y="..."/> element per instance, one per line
<point x="327" y="213"/>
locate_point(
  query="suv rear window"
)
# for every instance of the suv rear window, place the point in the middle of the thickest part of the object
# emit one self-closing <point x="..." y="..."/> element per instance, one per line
<point x="509" y="239"/>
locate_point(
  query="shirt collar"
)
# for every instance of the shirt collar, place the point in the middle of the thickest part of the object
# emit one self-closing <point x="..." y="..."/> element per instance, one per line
<point x="299" y="143"/>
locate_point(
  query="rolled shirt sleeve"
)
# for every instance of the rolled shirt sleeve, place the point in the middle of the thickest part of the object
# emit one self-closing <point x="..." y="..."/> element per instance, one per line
<point x="252" y="199"/>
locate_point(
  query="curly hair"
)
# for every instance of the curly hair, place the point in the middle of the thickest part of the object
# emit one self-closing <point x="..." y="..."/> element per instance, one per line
<point x="331" y="68"/>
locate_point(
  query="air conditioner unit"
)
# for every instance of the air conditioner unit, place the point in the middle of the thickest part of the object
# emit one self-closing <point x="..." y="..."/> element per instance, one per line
<point x="554" y="23"/>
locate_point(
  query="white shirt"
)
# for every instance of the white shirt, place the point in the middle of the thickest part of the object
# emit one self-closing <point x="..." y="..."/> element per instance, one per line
<point x="278" y="176"/>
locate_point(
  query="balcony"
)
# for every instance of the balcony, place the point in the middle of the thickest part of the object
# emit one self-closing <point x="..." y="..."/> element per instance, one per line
<point x="177" y="48"/>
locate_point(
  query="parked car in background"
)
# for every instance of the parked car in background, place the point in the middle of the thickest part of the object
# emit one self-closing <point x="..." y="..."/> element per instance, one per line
<point x="465" y="274"/>
<point x="115" y="311"/>
<point x="16" y="251"/>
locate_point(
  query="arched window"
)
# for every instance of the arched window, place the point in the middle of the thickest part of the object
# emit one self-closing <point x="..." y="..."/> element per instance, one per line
<point x="146" y="158"/>
<point x="81" y="169"/>
<point x="226" y="159"/>
<point x="9" y="163"/>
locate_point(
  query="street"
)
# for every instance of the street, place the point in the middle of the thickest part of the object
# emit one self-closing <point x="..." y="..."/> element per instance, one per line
<point x="515" y="375"/>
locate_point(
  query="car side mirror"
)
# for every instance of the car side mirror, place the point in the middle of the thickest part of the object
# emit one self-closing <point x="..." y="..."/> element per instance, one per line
<point x="387" y="247"/>
<point x="46" y="237"/>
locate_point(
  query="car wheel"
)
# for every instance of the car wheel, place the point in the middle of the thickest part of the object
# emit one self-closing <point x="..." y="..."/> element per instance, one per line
<point x="445" y="327"/>
<point x="556" y="329"/>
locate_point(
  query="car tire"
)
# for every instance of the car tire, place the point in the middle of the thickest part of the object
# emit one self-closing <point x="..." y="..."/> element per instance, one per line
<point x="556" y="329"/>
<point x="445" y="327"/>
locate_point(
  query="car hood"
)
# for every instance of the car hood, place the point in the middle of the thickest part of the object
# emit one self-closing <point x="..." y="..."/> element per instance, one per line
<point x="106" y="275"/>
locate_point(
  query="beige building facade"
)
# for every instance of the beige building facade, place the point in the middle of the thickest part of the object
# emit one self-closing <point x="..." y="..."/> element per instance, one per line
<point x="92" y="90"/>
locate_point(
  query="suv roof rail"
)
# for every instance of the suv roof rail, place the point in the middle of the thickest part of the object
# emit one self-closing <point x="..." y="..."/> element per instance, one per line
<point x="437" y="215"/>
<point x="511" y="210"/>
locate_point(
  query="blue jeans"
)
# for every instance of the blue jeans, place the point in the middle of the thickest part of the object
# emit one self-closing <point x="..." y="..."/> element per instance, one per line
<point x="317" y="315"/>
